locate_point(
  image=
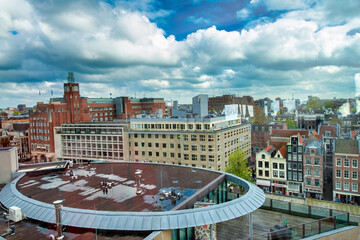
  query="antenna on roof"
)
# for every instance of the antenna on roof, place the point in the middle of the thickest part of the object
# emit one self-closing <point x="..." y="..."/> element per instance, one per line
<point x="71" y="77"/>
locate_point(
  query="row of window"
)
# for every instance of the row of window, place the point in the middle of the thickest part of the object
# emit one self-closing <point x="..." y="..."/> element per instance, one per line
<point x="275" y="165"/>
<point x="93" y="138"/>
<point x="93" y="153"/>
<point x="100" y="114"/>
<point x="193" y="157"/>
<point x="100" y="109"/>
<point x="316" y="182"/>
<point x="346" y="173"/>
<point x="308" y="172"/>
<point x="346" y="162"/>
<point x="346" y="185"/>
<point x="40" y="137"/>
<point x="39" y="124"/>
<point x="310" y="161"/>
<point x="276" y="173"/>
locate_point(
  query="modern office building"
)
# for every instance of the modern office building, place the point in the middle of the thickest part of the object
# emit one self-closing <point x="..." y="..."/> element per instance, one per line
<point x="101" y="141"/>
<point x="205" y="142"/>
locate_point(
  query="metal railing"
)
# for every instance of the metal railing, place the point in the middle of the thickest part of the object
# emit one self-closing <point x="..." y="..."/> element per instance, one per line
<point x="308" y="229"/>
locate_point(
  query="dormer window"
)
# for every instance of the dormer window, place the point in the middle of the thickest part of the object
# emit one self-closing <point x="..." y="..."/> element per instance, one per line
<point x="263" y="156"/>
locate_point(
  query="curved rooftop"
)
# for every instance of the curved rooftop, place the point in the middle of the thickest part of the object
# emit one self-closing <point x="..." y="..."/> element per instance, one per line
<point x="122" y="207"/>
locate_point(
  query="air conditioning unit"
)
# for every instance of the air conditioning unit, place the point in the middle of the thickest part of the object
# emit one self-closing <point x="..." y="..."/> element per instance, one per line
<point x="15" y="214"/>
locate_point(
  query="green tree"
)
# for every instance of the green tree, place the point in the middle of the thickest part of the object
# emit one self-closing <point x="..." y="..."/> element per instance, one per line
<point x="329" y="104"/>
<point x="238" y="165"/>
<point x="314" y="103"/>
<point x="259" y="115"/>
<point x="290" y="124"/>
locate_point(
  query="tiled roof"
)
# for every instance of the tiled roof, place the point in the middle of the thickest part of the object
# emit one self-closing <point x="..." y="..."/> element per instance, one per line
<point x="353" y="134"/>
<point x="283" y="151"/>
<point x="346" y="146"/>
<point x="331" y="129"/>
<point x="269" y="149"/>
<point x="301" y="140"/>
<point x="288" y="132"/>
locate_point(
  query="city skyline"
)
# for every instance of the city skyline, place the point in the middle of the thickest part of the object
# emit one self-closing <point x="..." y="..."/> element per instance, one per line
<point x="178" y="50"/>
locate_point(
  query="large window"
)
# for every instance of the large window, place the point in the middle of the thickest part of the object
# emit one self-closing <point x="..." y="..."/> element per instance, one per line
<point x="354" y="163"/>
<point x="346" y="174"/>
<point x="281" y="165"/>
<point x="317" y="161"/>
<point x="282" y="174"/>
<point x="308" y="171"/>
<point x="275" y="165"/>
<point x="338" y="173"/>
<point x="317" y="172"/>
<point x="338" y="162"/>
<point x="354" y="175"/>
<point x="317" y="182"/>
<point x="266" y="164"/>
<point x="338" y="185"/>
<point x="260" y="164"/>
<point x="307" y="181"/>
<point x="346" y="185"/>
<point x="308" y="160"/>
<point x="354" y="187"/>
<point x="275" y="173"/>
<point x="346" y="162"/>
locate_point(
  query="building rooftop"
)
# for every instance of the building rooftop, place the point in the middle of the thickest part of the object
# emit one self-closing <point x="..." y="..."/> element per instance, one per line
<point x="110" y="196"/>
<point x="86" y="191"/>
<point x="346" y="146"/>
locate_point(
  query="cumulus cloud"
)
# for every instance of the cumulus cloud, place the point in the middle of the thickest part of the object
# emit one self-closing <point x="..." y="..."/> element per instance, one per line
<point x="118" y="48"/>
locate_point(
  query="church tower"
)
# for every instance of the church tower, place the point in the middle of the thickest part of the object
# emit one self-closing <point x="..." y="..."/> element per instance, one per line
<point x="72" y="98"/>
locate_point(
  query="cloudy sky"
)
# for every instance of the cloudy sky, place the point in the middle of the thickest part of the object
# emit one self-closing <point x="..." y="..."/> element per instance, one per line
<point x="177" y="49"/>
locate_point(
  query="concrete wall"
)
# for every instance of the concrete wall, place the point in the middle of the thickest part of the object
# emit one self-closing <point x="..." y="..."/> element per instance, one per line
<point x="8" y="163"/>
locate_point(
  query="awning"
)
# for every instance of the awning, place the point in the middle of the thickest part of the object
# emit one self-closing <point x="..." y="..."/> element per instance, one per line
<point x="263" y="182"/>
<point x="278" y="185"/>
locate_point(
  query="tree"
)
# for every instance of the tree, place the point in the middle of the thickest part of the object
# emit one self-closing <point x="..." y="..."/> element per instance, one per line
<point x="238" y="165"/>
<point x="259" y="115"/>
<point x="290" y="124"/>
<point x="329" y="104"/>
<point x="314" y="103"/>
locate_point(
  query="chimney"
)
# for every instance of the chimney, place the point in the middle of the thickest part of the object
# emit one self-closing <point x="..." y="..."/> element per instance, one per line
<point x="58" y="206"/>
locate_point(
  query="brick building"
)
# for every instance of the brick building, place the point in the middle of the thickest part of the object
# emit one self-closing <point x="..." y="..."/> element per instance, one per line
<point x="72" y="108"/>
<point x="314" y="168"/>
<point x="217" y="103"/>
<point x="346" y="171"/>
<point x="260" y="135"/>
<point x="280" y="137"/>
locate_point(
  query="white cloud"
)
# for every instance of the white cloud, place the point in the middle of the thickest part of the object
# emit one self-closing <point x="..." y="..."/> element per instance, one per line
<point x="243" y="14"/>
<point x="198" y="20"/>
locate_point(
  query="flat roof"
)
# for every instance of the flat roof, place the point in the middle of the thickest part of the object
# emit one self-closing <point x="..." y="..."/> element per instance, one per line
<point x="85" y="191"/>
<point x="101" y="210"/>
